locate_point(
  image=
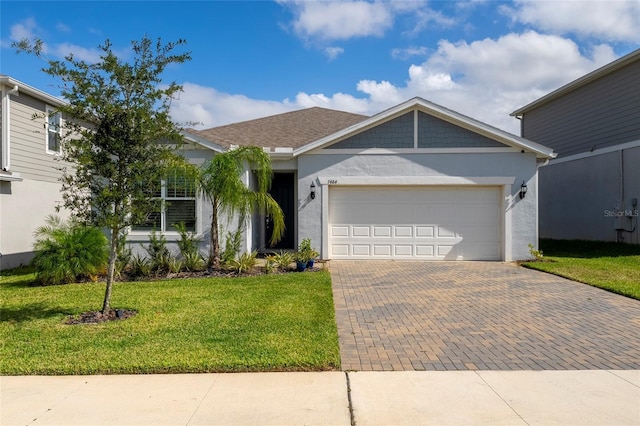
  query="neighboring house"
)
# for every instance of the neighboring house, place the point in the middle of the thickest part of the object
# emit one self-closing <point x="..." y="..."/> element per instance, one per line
<point x="591" y="190"/>
<point x="417" y="181"/>
<point x="29" y="185"/>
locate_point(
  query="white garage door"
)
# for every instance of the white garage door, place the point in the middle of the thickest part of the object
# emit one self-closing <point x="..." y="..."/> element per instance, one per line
<point x="430" y="223"/>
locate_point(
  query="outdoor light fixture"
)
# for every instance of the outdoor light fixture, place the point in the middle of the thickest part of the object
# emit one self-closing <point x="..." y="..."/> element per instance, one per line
<point x="523" y="190"/>
<point x="313" y="190"/>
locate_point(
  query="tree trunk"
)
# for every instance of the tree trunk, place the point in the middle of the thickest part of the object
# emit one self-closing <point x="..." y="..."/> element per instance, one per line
<point x="214" y="246"/>
<point x="113" y="254"/>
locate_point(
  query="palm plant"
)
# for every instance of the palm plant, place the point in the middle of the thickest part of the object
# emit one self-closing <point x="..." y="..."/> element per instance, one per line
<point x="220" y="182"/>
<point x="66" y="251"/>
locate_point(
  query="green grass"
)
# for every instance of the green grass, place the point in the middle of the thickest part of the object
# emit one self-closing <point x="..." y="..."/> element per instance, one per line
<point x="611" y="266"/>
<point x="262" y="323"/>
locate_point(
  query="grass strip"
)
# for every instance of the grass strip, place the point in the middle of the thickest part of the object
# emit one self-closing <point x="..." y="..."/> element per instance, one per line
<point x="610" y="266"/>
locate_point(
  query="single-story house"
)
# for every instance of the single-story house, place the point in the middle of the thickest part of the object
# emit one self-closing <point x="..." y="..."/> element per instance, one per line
<point x="591" y="189"/>
<point x="417" y="181"/>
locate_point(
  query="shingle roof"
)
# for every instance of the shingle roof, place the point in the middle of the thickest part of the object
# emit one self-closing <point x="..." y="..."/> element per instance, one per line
<point x="289" y="130"/>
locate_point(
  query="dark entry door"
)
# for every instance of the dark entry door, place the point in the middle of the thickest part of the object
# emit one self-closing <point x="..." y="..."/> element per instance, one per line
<point x="282" y="190"/>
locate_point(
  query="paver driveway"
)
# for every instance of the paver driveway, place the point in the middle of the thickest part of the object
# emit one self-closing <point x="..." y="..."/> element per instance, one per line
<point x="478" y="316"/>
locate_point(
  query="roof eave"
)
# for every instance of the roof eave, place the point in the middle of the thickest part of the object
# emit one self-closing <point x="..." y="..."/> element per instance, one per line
<point x="575" y="84"/>
<point x="443" y="113"/>
<point x="31" y="91"/>
<point x="202" y="142"/>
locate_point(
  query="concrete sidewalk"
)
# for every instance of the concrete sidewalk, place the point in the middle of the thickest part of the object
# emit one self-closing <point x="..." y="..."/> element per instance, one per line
<point x="589" y="397"/>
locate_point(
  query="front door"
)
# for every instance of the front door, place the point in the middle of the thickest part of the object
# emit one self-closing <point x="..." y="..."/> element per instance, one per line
<point x="282" y="190"/>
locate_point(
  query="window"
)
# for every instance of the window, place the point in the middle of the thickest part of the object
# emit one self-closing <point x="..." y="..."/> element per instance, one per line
<point x="54" y="125"/>
<point x="177" y="195"/>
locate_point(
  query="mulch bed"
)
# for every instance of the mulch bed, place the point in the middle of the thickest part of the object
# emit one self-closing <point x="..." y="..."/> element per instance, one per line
<point x="96" y="317"/>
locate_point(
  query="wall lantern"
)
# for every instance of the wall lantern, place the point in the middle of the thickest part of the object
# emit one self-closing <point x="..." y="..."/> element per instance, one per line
<point x="313" y="191"/>
<point x="523" y="190"/>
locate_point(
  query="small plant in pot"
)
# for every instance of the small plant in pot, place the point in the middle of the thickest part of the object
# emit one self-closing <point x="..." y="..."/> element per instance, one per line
<point x="305" y="256"/>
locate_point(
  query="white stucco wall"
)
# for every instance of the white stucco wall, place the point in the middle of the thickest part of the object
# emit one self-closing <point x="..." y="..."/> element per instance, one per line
<point x="521" y="215"/>
<point x="24" y="207"/>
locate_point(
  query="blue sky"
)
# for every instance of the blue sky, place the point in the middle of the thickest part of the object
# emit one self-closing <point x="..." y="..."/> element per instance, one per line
<point x="252" y="59"/>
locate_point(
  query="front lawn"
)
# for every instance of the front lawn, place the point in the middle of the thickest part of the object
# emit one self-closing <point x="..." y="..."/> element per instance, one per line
<point x="611" y="266"/>
<point x="262" y="323"/>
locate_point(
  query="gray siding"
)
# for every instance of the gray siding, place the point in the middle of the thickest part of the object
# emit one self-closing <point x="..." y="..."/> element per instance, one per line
<point x="436" y="133"/>
<point x="28" y="141"/>
<point x="578" y="198"/>
<point x="396" y="133"/>
<point x="432" y="133"/>
<point x="602" y="113"/>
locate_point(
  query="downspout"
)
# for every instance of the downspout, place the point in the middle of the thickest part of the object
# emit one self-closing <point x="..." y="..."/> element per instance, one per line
<point x="6" y="130"/>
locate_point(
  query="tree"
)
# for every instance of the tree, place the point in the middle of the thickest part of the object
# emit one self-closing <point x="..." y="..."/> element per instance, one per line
<point x="220" y="183"/>
<point x="119" y="138"/>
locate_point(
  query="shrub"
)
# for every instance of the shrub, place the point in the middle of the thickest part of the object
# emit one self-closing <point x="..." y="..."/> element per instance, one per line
<point x="188" y="243"/>
<point x="139" y="267"/>
<point x="193" y="261"/>
<point x="159" y="254"/>
<point x="67" y="251"/>
<point x="305" y="252"/>
<point x="270" y="264"/>
<point x="231" y="246"/>
<point x="244" y="263"/>
<point x="283" y="259"/>
<point x="536" y="255"/>
<point x="175" y="265"/>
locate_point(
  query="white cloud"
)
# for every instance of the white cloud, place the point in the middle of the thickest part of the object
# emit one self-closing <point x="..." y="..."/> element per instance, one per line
<point x="341" y="20"/>
<point x="88" y="55"/>
<point x="333" y="52"/>
<point x="408" y="52"/>
<point x="332" y="20"/>
<point x="62" y="28"/>
<point x="616" y="20"/>
<point x="213" y="108"/>
<point x="425" y="17"/>
<point x="25" y="29"/>
<point x="485" y="79"/>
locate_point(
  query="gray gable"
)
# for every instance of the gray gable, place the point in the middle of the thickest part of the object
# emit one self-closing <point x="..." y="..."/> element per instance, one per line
<point x="436" y="133"/>
<point x="393" y="134"/>
<point x="432" y="133"/>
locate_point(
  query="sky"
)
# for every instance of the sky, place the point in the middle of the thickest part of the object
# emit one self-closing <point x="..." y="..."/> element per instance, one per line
<point x="252" y="59"/>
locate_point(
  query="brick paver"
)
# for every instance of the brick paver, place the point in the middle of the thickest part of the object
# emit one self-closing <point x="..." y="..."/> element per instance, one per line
<point x="478" y="316"/>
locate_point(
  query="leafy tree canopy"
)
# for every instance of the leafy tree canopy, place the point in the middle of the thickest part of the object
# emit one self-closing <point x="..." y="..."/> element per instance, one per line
<point x="118" y="136"/>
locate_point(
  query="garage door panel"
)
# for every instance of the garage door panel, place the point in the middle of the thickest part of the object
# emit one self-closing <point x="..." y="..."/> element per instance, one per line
<point x="425" y="231"/>
<point x="340" y="250"/>
<point x="381" y="231"/>
<point x="424" y="250"/>
<point x="431" y="223"/>
<point x="383" y="250"/>
<point x="403" y="250"/>
<point x="339" y="231"/>
<point x="403" y="232"/>
<point x="360" y="231"/>
<point x="361" y="250"/>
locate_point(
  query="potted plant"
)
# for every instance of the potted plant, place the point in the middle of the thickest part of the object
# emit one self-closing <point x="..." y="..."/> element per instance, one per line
<point x="305" y="255"/>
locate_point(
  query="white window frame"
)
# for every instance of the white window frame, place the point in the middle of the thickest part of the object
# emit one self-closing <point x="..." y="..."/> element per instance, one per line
<point x="57" y="116"/>
<point x="164" y="199"/>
